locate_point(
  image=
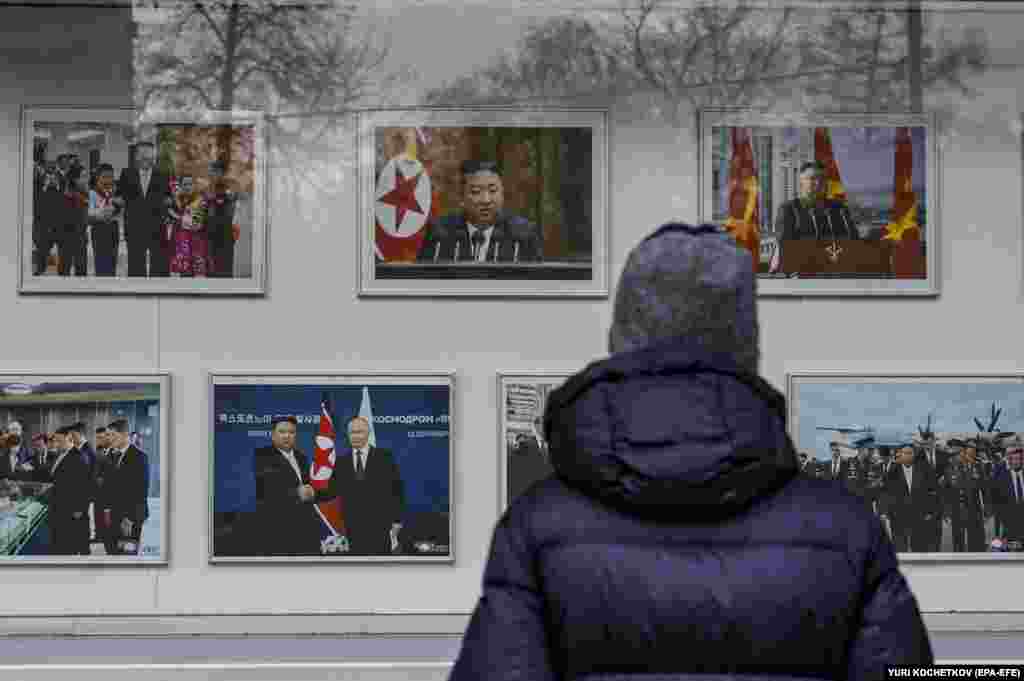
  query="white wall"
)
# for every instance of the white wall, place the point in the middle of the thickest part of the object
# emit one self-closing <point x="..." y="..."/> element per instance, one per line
<point x="312" y="320"/>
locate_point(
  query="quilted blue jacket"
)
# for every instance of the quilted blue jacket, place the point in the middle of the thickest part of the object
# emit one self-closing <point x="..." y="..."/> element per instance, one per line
<point x="677" y="542"/>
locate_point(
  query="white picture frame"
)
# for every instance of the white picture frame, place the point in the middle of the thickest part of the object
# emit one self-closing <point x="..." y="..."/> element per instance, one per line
<point x="43" y="402"/>
<point x="392" y="260"/>
<point x="186" y="144"/>
<point x="419" y="439"/>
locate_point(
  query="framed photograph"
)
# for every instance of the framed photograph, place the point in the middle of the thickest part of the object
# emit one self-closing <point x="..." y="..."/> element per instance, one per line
<point x="938" y="457"/>
<point x="483" y="202"/>
<point x="315" y="468"/>
<point x="524" y="451"/>
<point x="112" y="201"/>
<point x="84" y="468"/>
<point x="829" y="204"/>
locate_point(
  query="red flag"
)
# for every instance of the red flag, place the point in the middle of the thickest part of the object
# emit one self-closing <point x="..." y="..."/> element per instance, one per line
<point x="744" y="221"/>
<point x="903" y="227"/>
<point x="405" y="201"/>
<point x="834" y="188"/>
<point x="322" y="468"/>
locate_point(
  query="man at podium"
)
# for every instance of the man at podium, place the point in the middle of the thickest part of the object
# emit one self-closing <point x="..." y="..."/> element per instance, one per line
<point x="812" y="215"/>
<point x="818" y="235"/>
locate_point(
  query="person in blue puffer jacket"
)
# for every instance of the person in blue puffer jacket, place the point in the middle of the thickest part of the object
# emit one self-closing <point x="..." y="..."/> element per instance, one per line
<point x="676" y="539"/>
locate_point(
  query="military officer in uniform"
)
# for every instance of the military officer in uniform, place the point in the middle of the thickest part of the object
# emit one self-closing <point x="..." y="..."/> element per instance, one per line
<point x="964" y="490"/>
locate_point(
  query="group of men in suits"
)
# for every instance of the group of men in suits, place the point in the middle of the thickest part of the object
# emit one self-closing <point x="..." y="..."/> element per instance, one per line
<point x="100" y="495"/>
<point x="921" y="486"/>
<point x="366" y="479"/>
<point x="141" y="196"/>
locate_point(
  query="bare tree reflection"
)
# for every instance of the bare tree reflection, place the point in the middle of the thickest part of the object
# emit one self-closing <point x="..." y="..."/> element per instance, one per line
<point x="285" y="59"/>
<point x="855" y="59"/>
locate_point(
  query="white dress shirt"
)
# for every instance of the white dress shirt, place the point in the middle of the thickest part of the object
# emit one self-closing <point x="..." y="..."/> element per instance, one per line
<point x="56" y="464"/>
<point x="481" y="255"/>
<point x="290" y="457"/>
<point x="908" y="473"/>
<point x="144" y="177"/>
<point x="360" y="453"/>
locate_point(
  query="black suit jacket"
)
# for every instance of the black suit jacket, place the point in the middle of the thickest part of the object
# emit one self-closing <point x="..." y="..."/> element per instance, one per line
<point x="942" y="462"/>
<point x="370" y="505"/>
<point x="284" y="524"/>
<point x="449" y="236"/>
<point x="1010" y="510"/>
<point x="828" y="219"/>
<point x="144" y="214"/>
<point x="71" y="485"/>
<point x="527" y="465"/>
<point x="923" y="498"/>
<point x="126" y="488"/>
<point x="101" y="472"/>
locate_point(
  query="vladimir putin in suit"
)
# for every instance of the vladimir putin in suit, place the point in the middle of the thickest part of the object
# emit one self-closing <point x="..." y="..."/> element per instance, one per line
<point x="146" y="193"/>
<point x="126" y="489"/>
<point x="370" y="486"/>
<point x="912" y="501"/>
<point x="286" y="523"/>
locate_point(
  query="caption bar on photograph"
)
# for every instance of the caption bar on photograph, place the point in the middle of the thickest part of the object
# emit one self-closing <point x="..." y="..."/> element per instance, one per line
<point x="967" y="671"/>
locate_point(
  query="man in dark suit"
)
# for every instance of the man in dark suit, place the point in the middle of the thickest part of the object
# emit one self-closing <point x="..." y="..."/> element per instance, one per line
<point x="48" y="208"/>
<point x="483" y="232"/>
<point x="127" y="489"/>
<point x="76" y="435"/>
<point x="69" y="499"/>
<point x="286" y="522"/>
<point x="76" y="432"/>
<point x="370" y="486"/>
<point x="845" y="470"/>
<point x="528" y="462"/>
<point x="911" y="492"/>
<point x="220" y="222"/>
<point x="102" y="512"/>
<point x="146" y="193"/>
<point x="938" y="461"/>
<point x="812" y="215"/>
<point x="1008" y="492"/>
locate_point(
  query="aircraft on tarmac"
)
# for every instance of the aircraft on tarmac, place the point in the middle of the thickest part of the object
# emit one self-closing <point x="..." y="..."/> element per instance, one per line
<point x="852" y="438"/>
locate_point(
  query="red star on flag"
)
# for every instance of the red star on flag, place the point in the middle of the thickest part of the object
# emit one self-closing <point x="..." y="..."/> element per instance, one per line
<point x="403" y="197"/>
